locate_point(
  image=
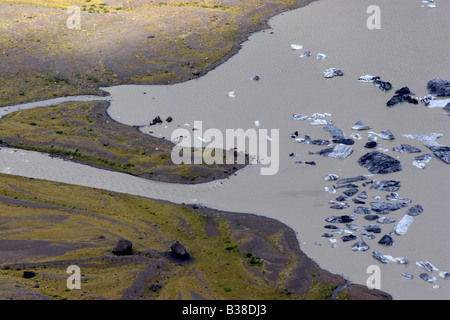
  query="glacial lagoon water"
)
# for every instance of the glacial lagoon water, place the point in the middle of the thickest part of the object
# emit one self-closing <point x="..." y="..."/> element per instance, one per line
<point x="410" y="49"/>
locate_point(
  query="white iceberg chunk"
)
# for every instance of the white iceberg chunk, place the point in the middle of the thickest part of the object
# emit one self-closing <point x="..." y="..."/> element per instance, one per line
<point x="402" y="226"/>
<point x="232" y="94"/>
<point x="320" y="56"/>
<point x="296" y="46"/>
<point x="426" y="265"/>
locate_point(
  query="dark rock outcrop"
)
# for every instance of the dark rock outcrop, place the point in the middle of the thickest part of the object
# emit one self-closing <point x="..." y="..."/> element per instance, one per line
<point x="179" y="250"/>
<point x="123" y="247"/>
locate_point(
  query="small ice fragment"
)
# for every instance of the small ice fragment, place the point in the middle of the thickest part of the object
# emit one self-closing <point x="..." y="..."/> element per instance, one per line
<point x="407" y="275"/>
<point x="232" y="94"/>
<point x="426" y="265"/>
<point x="296" y="46"/>
<point x="444" y="274"/>
<point x="257" y="123"/>
<point x="299" y="117"/>
<point x="304" y="54"/>
<point x="320" y="56"/>
<point x="427" y="277"/>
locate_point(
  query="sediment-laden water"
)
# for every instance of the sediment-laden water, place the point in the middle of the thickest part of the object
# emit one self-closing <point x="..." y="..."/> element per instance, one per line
<point x="410" y="49"/>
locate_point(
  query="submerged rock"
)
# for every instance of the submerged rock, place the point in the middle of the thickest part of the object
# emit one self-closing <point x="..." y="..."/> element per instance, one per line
<point x="439" y="87"/>
<point x="377" y="162"/>
<point x="442" y="152"/>
<point x="402" y="226"/>
<point x="406" y="148"/>
<point x="339" y="151"/>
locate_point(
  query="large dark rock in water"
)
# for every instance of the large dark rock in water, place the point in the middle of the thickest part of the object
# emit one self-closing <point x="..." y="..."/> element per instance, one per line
<point x="123" y="247"/>
<point x="439" y="87"/>
<point x="377" y="162"/>
<point x="179" y="250"/>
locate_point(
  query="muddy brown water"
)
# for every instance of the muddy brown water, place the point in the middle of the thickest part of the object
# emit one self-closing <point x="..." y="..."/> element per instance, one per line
<point x="410" y="49"/>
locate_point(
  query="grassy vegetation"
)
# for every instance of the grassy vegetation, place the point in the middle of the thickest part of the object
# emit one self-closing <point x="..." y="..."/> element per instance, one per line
<point x="133" y="42"/>
<point x="81" y="131"/>
<point x="82" y="219"/>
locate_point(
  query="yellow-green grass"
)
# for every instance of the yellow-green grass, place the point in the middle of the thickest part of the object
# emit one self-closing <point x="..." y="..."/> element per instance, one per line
<point x="76" y="131"/>
<point x="150" y="43"/>
<point x="80" y="215"/>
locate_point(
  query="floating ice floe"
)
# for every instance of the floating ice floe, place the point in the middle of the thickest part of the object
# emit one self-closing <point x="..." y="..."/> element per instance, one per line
<point x="331" y="72"/>
<point x="331" y="177"/>
<point x="421" y="161"/>
<point x="255" y="78"/>
<point x="299" y="117"/>
<point x="257" y="123"/>
<point x="320" y="56"/>
<point x="296" y="46"/>
<point x="321" y="122"/>
<point x="360" y="246"/>
<point x="423" y="137"/>
<point x="368" y="78"/>
<point x="339" y="151"/>
<point x="444" y="274"/>
<point x="305" y="54"/>
<point x="438" y="103"/>
<point x="406" y="148"/>
<point x="407" y="275"/>
<point x="426" y="265"/>
<point x="402" y="226"/>
<point x="379" y="163"/>
<point x="232" y="94"/>
<point x="440" y="151"/>
<point x="426" y="277"/>
<point x="384" y="134"/>
<point x="360" y="126"/>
